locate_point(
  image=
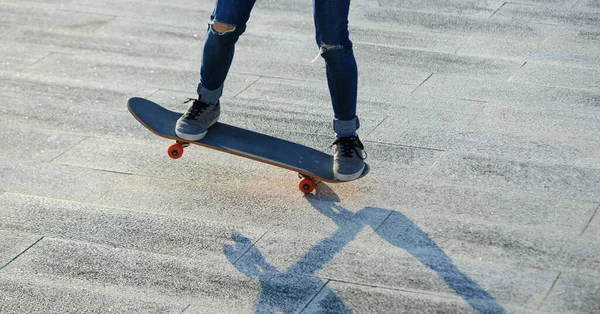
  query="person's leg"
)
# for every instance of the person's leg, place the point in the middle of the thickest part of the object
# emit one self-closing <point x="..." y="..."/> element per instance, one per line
<point x="227" y="24"/>
<point x="332" y="36"/>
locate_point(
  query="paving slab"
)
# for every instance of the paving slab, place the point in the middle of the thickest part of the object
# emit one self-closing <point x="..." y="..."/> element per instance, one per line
<point x="19" y="58"/>
<point x="135" y="230"/>
<point x="472" y="204"/>
<point x="577" y="101"/>
<point x="549" y="15"/>
<point x="574" y="293"/>
<point x="558" y="75"/>
<point x="25" y="143"/>
<point x="592" y="229"/>
<point x="587" y="5"/>
<point x="578" y="47"/>
<point x="536" y="122"/>
<point x="415" y="20"/>
<point x="521" y="247"/>
<point x="518" y="42"/>
<point x="491" y="172"/>
<point x="257" y="198"/>
<point x="365" y="298"/>
<point x="34" y="294"/>
<point x="172" y="13"/>
<point x="460" y="8"/>
<point x="546" y="148"/>
<point x="14" y="243"/>
<point x="124" y="271"/>
<point x="57" y="181"/>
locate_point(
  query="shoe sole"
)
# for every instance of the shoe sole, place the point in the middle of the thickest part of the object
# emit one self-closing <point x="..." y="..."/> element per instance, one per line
<point x="191" y="137"/>
<point x="194" y="137"/>
<point x="348" y="177"/>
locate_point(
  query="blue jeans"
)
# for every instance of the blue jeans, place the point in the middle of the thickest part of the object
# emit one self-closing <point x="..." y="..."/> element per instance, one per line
<point x="332" y="36"/>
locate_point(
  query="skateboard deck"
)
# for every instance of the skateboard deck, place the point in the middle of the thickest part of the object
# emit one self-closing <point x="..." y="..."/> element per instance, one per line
<point x="309" y="163"/>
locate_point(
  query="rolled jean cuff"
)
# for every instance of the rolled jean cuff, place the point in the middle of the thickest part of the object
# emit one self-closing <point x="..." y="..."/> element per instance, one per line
<point x="210" y="96"/>
<point x="346" y="126"/>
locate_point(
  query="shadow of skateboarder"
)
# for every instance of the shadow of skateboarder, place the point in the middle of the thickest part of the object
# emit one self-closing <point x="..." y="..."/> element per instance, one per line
<point x="293" y="289"/>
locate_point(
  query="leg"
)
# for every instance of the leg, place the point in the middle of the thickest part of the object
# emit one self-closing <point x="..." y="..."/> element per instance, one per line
<point x="332" y="36"/>
<point x="227" y="24"/>
<point x="331" y="26"/>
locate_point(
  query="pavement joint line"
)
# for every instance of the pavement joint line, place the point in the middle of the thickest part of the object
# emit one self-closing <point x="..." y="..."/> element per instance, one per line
<point x="407" y="146"/>
<point x="411" y="291"/>
<point x="375" y="128"/>
<point x="433" y="12"/>
<point x="549" y="35"/>
<point x="15" y="258"/>
<point x="103" y="170"/>
<point x="409" y="48"/>
<point x="186" y="308"/>
<point x="501" y="6"/>
<point x="477" y="114"/>
<point x="590" y="221"/>
<point x="26" y="68"/>
<point x="562" y="270"/>
<point x="313" y="297"/>
<point x="278" y="77"/>
<point x="381" y="224"/>
<point x="251" y="246"/>
<point x="429" y="172"/>
<point x="108" y="191"/>
<point x="249" y="85"/>
<point x="68" y="150"/>
<point x="472" y="100"/>
<point x="154" y="92"/>
<point x="416" y="88"/>
<point x="549" y="290"/>
<point x="517" y="73"/>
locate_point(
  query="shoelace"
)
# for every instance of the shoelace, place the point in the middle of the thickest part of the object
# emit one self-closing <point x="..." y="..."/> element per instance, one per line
<point x="349" y="145"/>
<point x="197" y="108"/>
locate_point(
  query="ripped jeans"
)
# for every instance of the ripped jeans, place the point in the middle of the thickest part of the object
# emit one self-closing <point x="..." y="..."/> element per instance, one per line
<point x="332" y="36"/>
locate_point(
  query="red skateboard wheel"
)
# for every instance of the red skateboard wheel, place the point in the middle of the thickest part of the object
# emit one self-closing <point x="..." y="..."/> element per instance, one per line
<point x="176" y="150"/>
<point x="306" y="185"/>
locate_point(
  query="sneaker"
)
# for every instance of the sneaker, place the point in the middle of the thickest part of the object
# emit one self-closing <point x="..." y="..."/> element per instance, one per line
<point x="348" y="158"/>
<point x="194" y="124"/>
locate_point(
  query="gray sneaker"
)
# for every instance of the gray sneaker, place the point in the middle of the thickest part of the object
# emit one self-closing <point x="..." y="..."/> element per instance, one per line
<point x="194" y="124"/>
<point x="348" y="158"/>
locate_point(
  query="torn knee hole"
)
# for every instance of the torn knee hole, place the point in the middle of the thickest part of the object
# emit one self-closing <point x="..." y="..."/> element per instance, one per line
<point x="324" y="48"/>
<point x="221" y="28"/>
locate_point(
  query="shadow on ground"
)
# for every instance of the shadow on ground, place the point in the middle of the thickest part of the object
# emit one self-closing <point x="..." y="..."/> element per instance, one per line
<point x="293" y="289"/>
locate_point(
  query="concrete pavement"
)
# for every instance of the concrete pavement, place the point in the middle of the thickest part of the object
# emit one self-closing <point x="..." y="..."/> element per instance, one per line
<point x="481" y="121"/>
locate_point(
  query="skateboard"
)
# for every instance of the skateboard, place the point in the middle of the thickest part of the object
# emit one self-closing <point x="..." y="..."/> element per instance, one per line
<point x="311" y="165"/>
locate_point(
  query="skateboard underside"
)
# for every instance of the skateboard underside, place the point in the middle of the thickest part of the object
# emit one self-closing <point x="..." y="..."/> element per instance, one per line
<point x="309" y="163"/>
